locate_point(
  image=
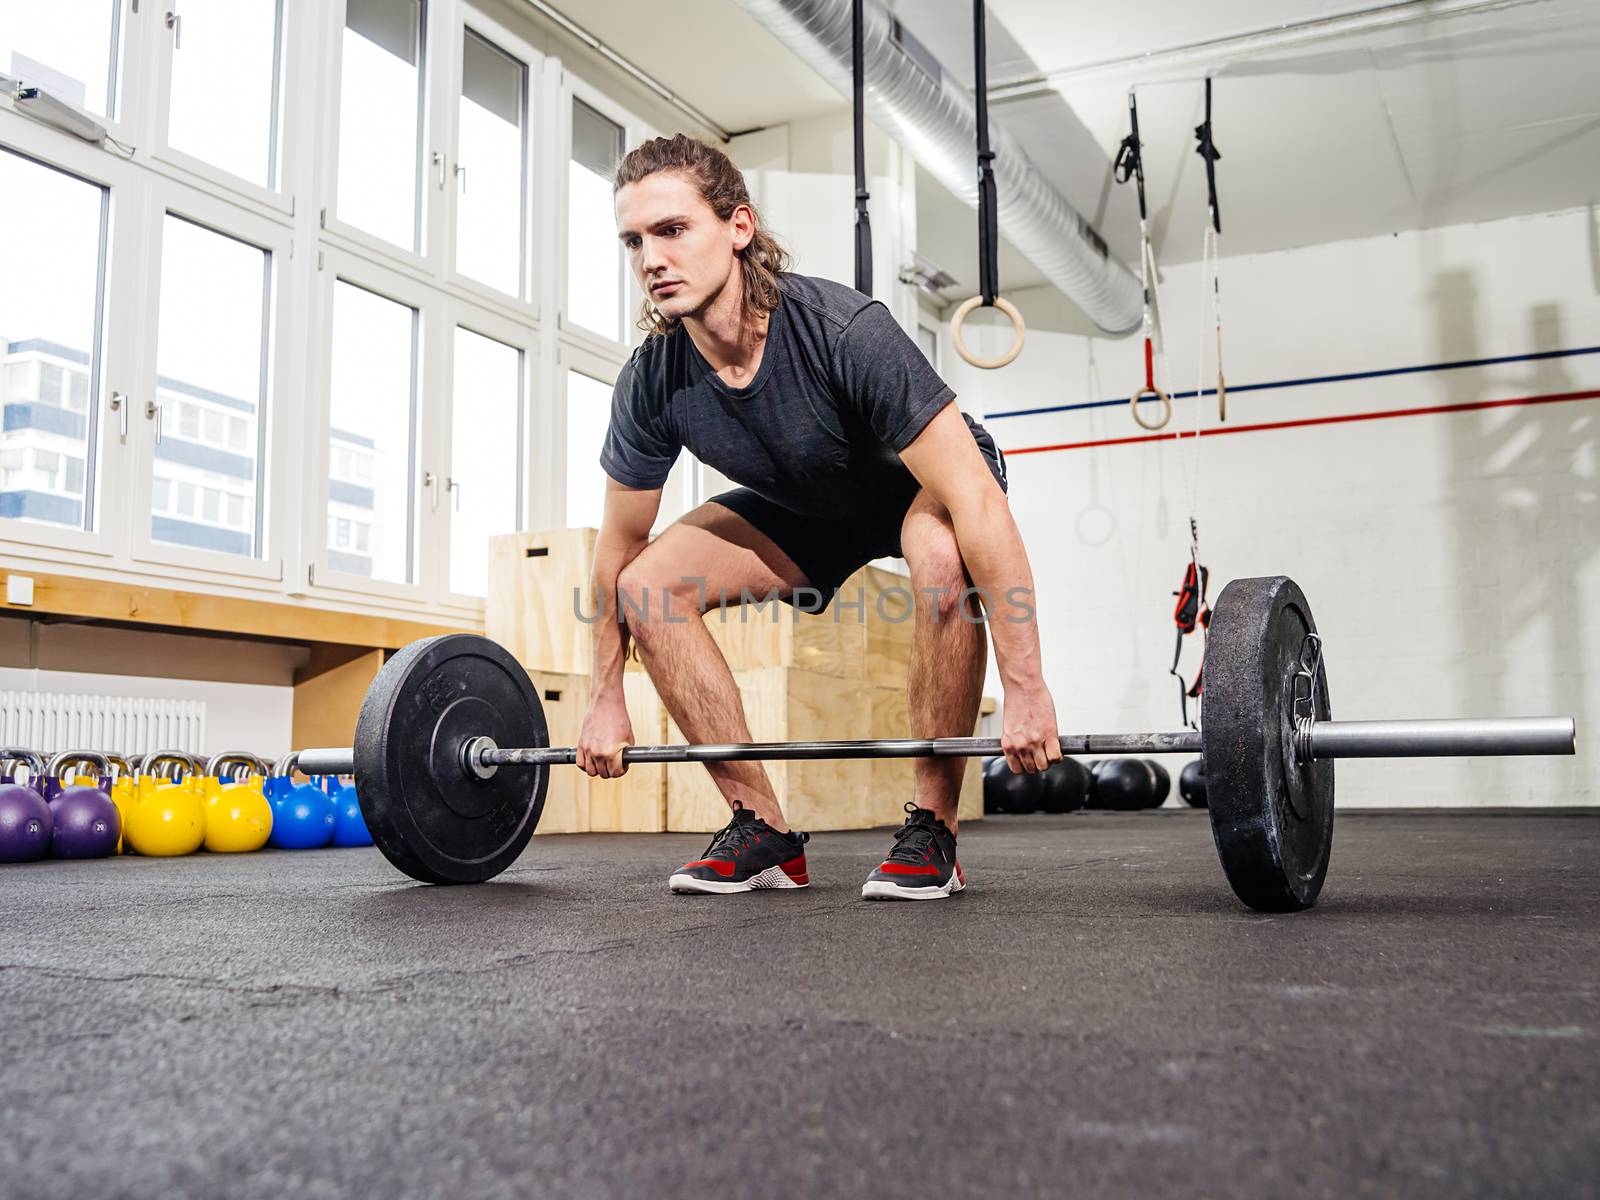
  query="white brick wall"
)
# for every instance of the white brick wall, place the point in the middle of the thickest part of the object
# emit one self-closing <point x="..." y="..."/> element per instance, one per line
<point x="1452" y="561"/>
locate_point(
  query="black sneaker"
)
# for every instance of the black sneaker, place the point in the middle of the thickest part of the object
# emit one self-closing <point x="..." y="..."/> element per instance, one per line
<point x="922" y="865"/>
<point x="746" y="854"/>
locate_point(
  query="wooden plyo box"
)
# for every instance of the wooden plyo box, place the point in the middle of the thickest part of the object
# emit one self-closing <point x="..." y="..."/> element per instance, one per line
<point x="889" y="625"/>
<point x="790" y="706"/>
<point x="538" y="585"/>
<point x="803" y="677"/>
<point x="894" y="779"/>
<point x="577" y="803"/>
<point x="786" y="705"/>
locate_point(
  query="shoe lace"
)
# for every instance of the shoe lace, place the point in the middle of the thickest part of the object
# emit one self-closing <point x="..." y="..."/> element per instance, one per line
<point x="732" y="837"/>
<point x="915" y="836"/>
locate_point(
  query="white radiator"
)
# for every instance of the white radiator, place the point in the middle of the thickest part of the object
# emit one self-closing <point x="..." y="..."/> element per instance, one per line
<point x="50" y="721"/>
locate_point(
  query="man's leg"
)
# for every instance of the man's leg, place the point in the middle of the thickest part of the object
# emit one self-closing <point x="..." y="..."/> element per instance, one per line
<point x="948" y="651"/>
<point x="707" y="554"/>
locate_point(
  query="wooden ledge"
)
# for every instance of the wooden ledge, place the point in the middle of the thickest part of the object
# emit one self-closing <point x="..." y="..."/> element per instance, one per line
<point x="103" y="600"/>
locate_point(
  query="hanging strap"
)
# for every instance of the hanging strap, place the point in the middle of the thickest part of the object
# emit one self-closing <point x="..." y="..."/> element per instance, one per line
<point x="1191" y="613"/>
<point x="1130" y="165"/>
<point x="1130" y="162"/>
<point x="988" y="222"/>
<point x="1207" y="150"/>
<point x="858" y="80"/>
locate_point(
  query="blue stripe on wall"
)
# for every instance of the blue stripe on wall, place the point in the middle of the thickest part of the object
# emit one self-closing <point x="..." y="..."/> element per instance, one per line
<point x="1309" y="380"/>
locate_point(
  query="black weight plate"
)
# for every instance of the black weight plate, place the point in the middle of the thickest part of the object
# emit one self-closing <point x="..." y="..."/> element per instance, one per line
<point x="1272" y="818"/>
<point x="431" y="817"/>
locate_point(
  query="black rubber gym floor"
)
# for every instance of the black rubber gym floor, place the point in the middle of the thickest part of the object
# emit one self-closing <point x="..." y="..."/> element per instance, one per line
<point x="1096" y="1016"/>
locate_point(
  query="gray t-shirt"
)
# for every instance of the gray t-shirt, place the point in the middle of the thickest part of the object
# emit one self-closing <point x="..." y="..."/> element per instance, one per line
<point x="841" y="390"/>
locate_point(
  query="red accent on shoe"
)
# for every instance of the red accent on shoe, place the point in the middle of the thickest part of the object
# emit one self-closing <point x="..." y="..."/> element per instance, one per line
<point x="795" y="869"/>
<point x="720" y="866"/>
<point x="961" y="876"/>
<point x="890" y="868"/>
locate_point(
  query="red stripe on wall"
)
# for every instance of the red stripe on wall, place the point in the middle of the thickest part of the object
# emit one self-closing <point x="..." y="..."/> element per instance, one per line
<point x="1554" y="398"/>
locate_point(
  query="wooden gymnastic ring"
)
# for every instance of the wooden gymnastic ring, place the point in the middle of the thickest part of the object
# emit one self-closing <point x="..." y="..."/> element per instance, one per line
<point x="1166" y="408"/>
<point x="1005" y="306"/>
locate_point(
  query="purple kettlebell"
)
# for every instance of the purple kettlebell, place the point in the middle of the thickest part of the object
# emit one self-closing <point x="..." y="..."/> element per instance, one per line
<point x="26" y="824"/>
<point x="87" y="824"/>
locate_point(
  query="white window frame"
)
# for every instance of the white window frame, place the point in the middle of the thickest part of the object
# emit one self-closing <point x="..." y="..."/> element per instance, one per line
<point x="398" y="286"/>
<point x="274" y="426"/>
<point x="678" y="493"/>
<point x="153" y="178"/>
<point x="526" y="306"/>
<point x="635" y="130"/>
<point x="519" y="336"/>
<point x="119" y="344"/>
<point x="293" y="84"/>
<point x="340" y="233"/>
<point x="131" y="108"/>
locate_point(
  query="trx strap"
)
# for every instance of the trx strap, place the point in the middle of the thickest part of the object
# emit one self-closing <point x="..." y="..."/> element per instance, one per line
<point x="988" y="219"/>
<point x="1130" y="165"/>
<point x="1191" y="612"/>
<point x="863" y="220"/>
<point x="988" y="224"/>
<point x="1207" y="150"/>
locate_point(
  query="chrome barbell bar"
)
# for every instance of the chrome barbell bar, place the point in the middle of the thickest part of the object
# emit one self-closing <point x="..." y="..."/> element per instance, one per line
<point x="1494" y="736"/>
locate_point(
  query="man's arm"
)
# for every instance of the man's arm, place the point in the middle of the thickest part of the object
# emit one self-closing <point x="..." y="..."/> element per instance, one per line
<point x="624" y="532"/>
<point x="948" y="464"/>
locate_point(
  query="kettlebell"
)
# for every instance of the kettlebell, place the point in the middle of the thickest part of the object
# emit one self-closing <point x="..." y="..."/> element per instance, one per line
<point x="238" y="816"/>
<point x="1192" y="783"/>
<point x="87" y="823"/>
<point x="349" y="826"/>
<point x="26" y="823"/>
<point x="121" y="790"/>
<point x="168" y="817"/>
<point x="303" y="816"/>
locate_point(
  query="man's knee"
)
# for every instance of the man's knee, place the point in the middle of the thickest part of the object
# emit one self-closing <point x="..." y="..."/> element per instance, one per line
<point x="938" y="575"/>
<point x="652" y="594"/>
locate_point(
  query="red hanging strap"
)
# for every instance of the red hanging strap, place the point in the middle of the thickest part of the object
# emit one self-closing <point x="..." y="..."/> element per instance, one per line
<point x="1189" y="613"/>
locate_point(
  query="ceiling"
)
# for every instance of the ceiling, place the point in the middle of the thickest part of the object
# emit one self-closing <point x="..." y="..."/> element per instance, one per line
<point x="1334" y="120"/>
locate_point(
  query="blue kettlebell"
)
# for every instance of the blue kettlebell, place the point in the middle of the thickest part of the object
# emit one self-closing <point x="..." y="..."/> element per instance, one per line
<point x="303" y="815"/>
<point x="349" y="826"/>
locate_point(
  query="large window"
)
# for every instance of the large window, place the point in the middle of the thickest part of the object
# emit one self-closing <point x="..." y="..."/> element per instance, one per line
<point x="212" y="368"/>
<point x="485" y="453"/>
<point x="595" y="263"/>
<point x="371" y="437"/>
<point x="588" y="416"/>
<point x="381" y="119"/>
<point x="227" y="48"/>
<point x="491" y="166"/>
<point x="52" y="247"/>
<point x="71" y="48"/>
<point x="337" y="300"/>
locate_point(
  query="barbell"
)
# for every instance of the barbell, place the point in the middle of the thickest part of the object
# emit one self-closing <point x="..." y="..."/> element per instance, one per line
<point x="452" y="756"/>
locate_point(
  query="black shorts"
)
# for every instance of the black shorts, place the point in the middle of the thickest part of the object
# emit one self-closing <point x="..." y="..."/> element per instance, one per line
<point x="828" y="550"/>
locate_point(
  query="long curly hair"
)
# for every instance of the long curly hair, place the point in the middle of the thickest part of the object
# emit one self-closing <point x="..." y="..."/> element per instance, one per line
<point x="721" y="185"/>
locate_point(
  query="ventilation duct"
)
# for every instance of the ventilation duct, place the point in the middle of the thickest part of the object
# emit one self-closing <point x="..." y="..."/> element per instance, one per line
<point x="910" y="98"/>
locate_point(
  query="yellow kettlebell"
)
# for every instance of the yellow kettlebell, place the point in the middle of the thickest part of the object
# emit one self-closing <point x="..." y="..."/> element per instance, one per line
<point x="238" y="817"/>
<point x="121" y="771"/>
<point x="168" y="817"/>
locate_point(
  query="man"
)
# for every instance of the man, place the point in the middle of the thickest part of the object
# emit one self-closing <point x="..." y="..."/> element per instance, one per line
<point x="849" y="448"/>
